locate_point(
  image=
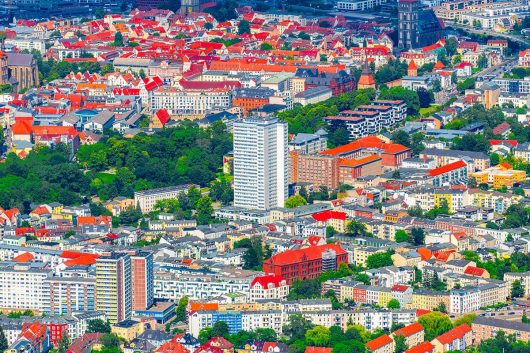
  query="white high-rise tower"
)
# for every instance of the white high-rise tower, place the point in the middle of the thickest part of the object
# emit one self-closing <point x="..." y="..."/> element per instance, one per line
<point x="261" y="163"/>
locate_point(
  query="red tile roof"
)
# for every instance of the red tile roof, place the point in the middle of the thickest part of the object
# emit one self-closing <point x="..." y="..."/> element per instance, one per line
<point x="425" y="347"/>
<point x="409" y="330"/>
<point x="367" y="142"/>
<point x="457" y="333"/>
<point x="325" y="216"/>
<point x="474" y="271"/>
<point x="304" y="254"/>
<point x="447" y="168"/>
<point x="311" y="349"/>
<point x="399" y="288"/>
<point x="266" y="280"/>
<point x="379" y="342"/>
<point x="24" y="257"/>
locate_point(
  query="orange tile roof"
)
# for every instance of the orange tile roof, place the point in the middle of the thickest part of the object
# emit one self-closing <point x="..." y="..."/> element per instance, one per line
<point x="409" y="330"/>
<point x="367" y="142"/>
<point x="351" y="162"/>
<point x="379" y="342"/>
<point x="457" y="333"/>
<point x="203" y="306"/>
<point x="305" y="254"/>
<point x="24" y="257"/>
<point x="425" y="347"/>
<point x="447" y="168"/>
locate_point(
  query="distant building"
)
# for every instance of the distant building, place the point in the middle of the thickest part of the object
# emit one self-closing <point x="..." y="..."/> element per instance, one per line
<point x="261" y="165"/>
<point x="142" y="280"/>
<point x="306" y="263"/>
<point x="147" y="199"/>
<point x="113" y="286"/>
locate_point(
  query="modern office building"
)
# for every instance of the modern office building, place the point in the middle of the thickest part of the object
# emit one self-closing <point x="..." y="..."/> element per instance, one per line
<point x="113" y="286"/>
<point x="261" y="167"/>
<point x="142" y="280"/>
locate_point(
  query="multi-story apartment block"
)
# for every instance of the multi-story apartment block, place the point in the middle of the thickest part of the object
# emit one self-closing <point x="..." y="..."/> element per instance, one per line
<point x="523" y="277"/>
<point x="261" y="165"/>
<point x="459" y="338"/>
<point x="147" y="199"/>
<point x="142" y="278"/>
<point x="464" y="300"/>
<point x="268" y="287"/>
<point x="485" y="328"/>
<point x="309" y="143"/>
<point x="451" y="173"/>
<point x="113" y="286"/>
<point x="314" y="169"/>
<point x="65" y="295"/>
<point x="169" y="286"/>
<point x="26" y="283"/>
<point x="306" y="262"/>
<point x="189" y="102"/>
<point x="414" y="334"/>
<point x="381" y="344"/>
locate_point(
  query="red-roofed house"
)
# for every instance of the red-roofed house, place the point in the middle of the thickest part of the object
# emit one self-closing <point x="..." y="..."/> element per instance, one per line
<point x="477" y="272"/>
<point x="311" y="349"/>
<point x="524" y="58"/>
<point x="457" y="339"/>
<point x="414" y="334"/>
<point x="306" y="263"/>
<point x="449" y="174"/>
<point x="173" y="346"/>
<point x="335" y="219"/>
<point x="160" y="119"/>
<point x="268" y="287"/>
<point x="425" y="347"/>
<point x="84" y="344"/>
<point x="382" y="344"/>
<point x="402" y="293"/>
<point x="502" y="129"/>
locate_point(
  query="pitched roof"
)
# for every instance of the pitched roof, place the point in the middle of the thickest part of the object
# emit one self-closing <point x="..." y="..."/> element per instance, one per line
<point x="409" y="330"/>
<point x="457" y="333"/>
<point x="275" y="280"/>
<point x="424" y="347"/>
<point x="304" y="254"/>
<point x="325" y="216"/>
<point x="379" y="342"/>
<point x="367" y="142"/>
<point x="447" y="168"/>
<point x="474" y="271"/>
<point x="24" y="257"/>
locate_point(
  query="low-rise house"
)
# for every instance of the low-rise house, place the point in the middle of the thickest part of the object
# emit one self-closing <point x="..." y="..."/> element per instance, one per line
<point x="457" y="339"/>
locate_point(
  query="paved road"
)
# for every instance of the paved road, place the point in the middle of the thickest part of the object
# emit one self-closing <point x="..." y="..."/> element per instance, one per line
<point x="525" y="42"/>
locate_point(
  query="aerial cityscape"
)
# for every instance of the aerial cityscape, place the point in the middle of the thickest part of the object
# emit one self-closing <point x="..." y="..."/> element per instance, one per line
<point x="276" y="176"/>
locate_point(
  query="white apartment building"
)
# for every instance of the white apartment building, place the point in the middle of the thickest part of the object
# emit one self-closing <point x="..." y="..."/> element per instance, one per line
<point x="261" y="163"/>
<point x="64" y="295"/>
<point x="192" y="102"/>
<point x="358" y="5"/>
<point x="171" y="286"/>
<point x="268" y="287"/>
<point x="25" y="285"/>
<point x="464" y="300"/>
<point x="28" y="44"/>
<point x="146" y="199"/>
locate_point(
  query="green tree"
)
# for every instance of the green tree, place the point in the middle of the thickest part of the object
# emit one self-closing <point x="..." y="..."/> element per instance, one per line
<point x="318" y="336"/>
<point x="418" y="236"/>
<point x="482" y="61"/>
<point x="181" y="309"/>
<point x="220" y="329"/>
<point x="380" y="259"/>
<point x="110" y="340"/>
<point x="243" y="27"/>
<point x="64" y="343"/>
<point x="356" y="229"/>
<point x="3" y="340"/>
<point x="205" y="334"/>
<point x="517" y="289"/>
<point x="363" y="277"/>
<point x="295" y="201"/>
<point x="118" y="40"/>
<point x="266" y="334"/>
<point x="204" y="210"/>
<point x="451" y="45"/>
<point x="296" y="327"/>
<point x="98" y="325"/>
<point x="465" y="319"/>
<point x="435" y="324"/>
<point x="330" y="232"/>
<point x="402" y="236"/>
<point x="400" y="344"/>
<point x="393" y="304"/>
<point x="266" y="46"/>
<point x="309" y="288"/>
<point x="410" y="97"/>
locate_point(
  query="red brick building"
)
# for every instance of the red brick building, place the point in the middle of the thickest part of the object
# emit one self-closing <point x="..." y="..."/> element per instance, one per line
<point x="392" y="154"/>
<point x="306" y="262"/>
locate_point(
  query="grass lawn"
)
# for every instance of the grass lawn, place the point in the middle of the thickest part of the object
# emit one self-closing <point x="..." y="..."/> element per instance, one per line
<point x="430" y="110"/>
<point x="476" y="69"/>
<point x="106" y="178"/>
